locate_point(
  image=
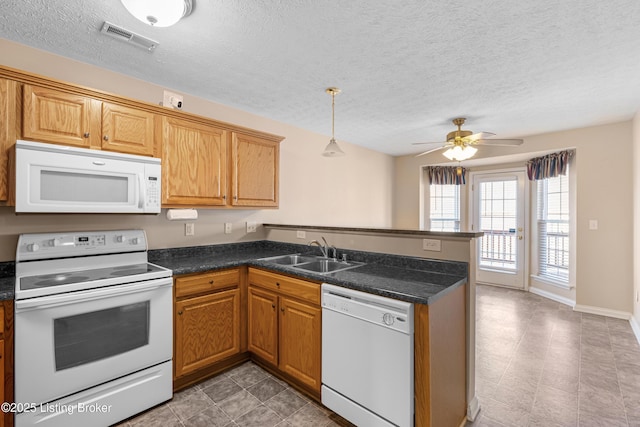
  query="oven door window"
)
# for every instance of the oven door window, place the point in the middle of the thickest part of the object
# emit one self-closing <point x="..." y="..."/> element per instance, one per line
<point x="87" y="337"/>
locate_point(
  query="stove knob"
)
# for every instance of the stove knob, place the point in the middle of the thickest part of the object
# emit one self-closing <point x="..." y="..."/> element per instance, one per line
<point x="120" y="239"/>
<point x="134" y="241"/>
<point x="54" y="242"/>
<point x="33" y="247"/>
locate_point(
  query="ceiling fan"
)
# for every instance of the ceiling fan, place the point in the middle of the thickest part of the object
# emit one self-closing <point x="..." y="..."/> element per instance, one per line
<point x="460" y="143"/>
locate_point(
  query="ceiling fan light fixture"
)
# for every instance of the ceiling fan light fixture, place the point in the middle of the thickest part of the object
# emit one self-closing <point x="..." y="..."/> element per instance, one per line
<point x="333" y="149"/>
<point x="460" y="153"/>
<point x="159" y="13"/>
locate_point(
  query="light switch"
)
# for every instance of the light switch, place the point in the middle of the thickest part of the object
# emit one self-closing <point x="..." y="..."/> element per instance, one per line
<point x="301" y="234"/>
<point x="228" y="227"/>
<point x="189" y="229"/>
<point x="593" y="224"/>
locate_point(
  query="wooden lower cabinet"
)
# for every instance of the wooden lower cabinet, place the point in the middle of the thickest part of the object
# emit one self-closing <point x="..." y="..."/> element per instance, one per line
<point x="300" y="341"/>
<point x="285" y="326"/>
<point x="207" y="325"/>
<point x="263" y="324"/>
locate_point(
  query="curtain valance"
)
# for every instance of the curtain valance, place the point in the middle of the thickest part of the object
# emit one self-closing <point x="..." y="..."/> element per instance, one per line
<point x="447" y="175"/>
<point x="549" y="166"/>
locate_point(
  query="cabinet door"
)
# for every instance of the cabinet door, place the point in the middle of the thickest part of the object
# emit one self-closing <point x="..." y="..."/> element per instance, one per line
<point x="263" y="324"/>
<point x="194" y="162"/>
<point x="63" y="118"/>
<point x="300" y="341"/>
<point x="207" y="330"/>
<point x="8" y="133"/>
<point x="127" y="130"/>
<point x="255" y="171"/>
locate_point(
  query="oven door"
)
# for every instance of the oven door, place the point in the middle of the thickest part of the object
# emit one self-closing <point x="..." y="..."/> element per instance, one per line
<point x="68" y="342"/>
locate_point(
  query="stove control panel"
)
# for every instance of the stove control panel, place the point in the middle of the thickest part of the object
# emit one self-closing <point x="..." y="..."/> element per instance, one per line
<point x="64" y="245"/>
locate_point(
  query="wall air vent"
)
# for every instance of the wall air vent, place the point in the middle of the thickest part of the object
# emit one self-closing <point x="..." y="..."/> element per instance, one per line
<point x="128" y="36"/>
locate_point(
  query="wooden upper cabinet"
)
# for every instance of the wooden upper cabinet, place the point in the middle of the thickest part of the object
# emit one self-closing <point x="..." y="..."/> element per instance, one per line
<point x="63" y="118"/>
<point x="59" y="117"/>
<point x="194" y="163"/>
<point x="9" y="124"/>
<point x="127" y="130"/>
<point x="255" y="163"/>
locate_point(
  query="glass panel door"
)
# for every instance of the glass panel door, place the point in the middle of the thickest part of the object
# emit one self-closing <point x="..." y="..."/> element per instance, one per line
<point x="499" y="212"/>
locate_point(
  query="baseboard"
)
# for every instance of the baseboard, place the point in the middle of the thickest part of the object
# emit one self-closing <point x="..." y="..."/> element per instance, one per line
<point x="552" y="296"/>
<point x="473" y="408"/>
<point x="635" y="326"/>
<point x="625" y="315"/>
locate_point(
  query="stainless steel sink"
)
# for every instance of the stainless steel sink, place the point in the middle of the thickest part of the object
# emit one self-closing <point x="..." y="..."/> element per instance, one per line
<point x="290" y="259"/>
<point x="327" y="265"/>
<point x="312" y="263"/>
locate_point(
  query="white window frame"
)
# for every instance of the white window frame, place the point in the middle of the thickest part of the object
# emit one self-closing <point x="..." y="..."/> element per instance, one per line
<point x="435" y="196"/>
<point x="544" y="271"/>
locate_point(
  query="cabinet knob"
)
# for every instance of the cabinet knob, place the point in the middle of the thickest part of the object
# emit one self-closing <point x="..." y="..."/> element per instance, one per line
<point x="224" y="197"/>
<point x="282" y="310"/>
<point x="180" y="313"/>
<point x="278" y="284"/>
<point x="211" y="282"/>
<point x="235" y="197"/>
<point x="86" y="135"/>
<point x="273" y="306"/>
<point x="106" y="137"/>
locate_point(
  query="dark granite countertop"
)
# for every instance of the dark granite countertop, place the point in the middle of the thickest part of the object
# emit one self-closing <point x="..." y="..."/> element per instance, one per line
<point x="409" y="279"/>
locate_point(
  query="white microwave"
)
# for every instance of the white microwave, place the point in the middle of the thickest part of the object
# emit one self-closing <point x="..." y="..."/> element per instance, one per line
<point x="55" y="178"/>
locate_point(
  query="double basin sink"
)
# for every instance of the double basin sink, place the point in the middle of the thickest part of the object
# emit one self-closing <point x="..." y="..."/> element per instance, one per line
<point x="315" y="264"/>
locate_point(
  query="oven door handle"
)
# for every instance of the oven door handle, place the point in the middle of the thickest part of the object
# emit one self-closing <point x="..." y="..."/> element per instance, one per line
<point x="91" y="295"/>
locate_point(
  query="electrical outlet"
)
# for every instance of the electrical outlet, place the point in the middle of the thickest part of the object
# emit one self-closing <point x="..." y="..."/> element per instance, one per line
<point x="301" y="234"/>
<point x="189" y="229"/>
<point x="431" y="245"/>
<point x="251" y="226"/>
<point x="228" y="228"/>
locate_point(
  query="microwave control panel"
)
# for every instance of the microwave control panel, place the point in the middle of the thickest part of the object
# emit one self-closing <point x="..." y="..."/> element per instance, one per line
<point x="153" y="192"/>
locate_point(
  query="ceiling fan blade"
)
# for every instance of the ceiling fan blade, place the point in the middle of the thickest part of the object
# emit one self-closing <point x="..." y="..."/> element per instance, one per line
<point x="432" y="150"/>
<point x="499" y="142"/>
<point x="479" y="135"/>
<point x="428" y="143"/>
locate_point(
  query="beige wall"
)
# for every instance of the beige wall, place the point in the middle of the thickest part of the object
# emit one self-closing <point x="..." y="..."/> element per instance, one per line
<point x="604" y="263"/>
<point x="354" y="190"/>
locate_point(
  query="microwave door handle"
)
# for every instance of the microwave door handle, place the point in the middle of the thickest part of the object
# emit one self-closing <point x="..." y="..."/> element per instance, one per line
<point x="142" y="191"/>
<point x="89" y="295"/>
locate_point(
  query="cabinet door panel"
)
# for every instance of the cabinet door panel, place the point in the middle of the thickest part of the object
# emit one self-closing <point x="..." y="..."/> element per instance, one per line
<point x="127" y="130"/>
<point x="255" y="177"/>
<point x="8" y="133"/>
<point x="207" y="330"/>
<point x="263" y="324"/>
<point x="194" y="163"/>
<point x="60" y="117"/>
<point x="300" y="341"/>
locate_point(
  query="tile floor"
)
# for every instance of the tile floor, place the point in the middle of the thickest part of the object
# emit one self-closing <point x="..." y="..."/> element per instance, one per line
<point x="538" y="364"/>
<point x="244" y="396"/>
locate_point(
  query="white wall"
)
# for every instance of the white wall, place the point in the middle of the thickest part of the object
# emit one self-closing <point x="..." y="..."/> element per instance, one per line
<point x="635" y="320"/>
<point x="604" y="191"/>
<point x="355" y="190"/>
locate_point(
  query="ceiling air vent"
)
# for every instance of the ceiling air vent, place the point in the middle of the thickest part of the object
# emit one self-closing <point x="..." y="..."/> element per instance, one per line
<point x="128" y="36"/>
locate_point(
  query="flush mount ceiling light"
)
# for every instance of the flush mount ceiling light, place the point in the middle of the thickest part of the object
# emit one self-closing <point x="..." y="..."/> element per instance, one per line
<point x="332" y="149"/>
<point x="159" y="13"/>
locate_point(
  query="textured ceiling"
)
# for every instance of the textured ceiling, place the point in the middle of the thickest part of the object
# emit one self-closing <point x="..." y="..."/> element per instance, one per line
<point x="406" y="68"/>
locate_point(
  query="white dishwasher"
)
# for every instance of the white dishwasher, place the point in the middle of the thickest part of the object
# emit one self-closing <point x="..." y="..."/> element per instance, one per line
<point x="367" y="357"/>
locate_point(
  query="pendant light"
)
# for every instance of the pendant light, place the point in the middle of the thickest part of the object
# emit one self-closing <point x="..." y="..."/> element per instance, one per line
<point x="159" y="13"/>
<point x="332" y="149"/>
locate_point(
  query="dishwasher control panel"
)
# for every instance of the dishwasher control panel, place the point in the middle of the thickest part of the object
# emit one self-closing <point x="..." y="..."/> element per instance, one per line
<point x="386" y="312"/>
